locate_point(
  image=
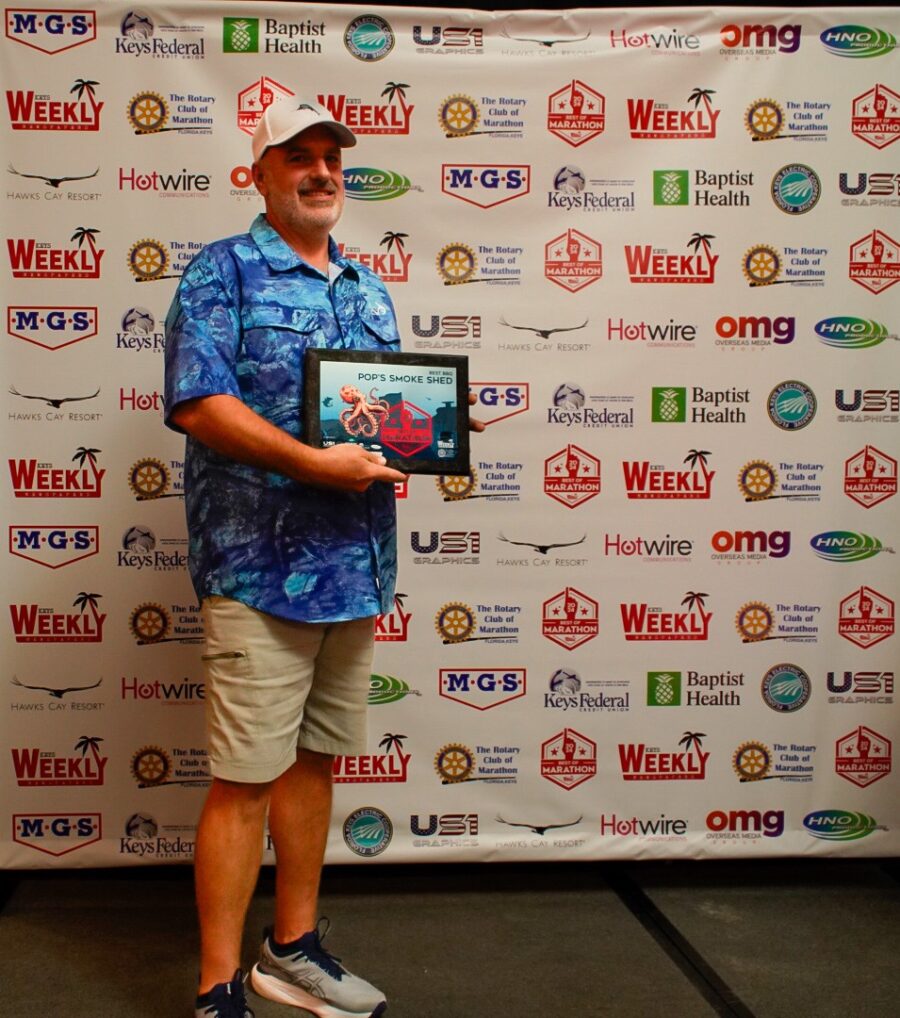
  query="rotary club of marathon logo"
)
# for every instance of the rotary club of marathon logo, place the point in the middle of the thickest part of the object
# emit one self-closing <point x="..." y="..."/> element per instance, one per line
<point x="153" y="623"/>
<point x="149" y="112"/>
<point x="759" y="481"/>
<point x="460" y="116"/>
<point x="154" y="767"/>
<point x="150" y="478"/>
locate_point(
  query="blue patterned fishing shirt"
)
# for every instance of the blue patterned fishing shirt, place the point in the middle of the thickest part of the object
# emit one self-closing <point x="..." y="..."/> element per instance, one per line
<point x="245" y="311"/>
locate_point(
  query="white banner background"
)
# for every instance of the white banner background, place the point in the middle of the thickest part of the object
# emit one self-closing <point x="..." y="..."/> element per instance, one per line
<point x="490" y="739"/>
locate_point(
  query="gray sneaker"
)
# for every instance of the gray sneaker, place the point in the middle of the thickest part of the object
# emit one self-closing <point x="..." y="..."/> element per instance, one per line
<point x="304" y="974"/>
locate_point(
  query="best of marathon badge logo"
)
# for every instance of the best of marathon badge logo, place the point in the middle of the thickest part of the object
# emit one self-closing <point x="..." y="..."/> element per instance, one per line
<point x="570" y="618"/>
<point x="253" y="100"/>
<point x="649" y="264"/>
<point x="568" y="759"/>
<point x="876" y="116"/>
<point x="50" y="30"/>
<point x="870" y="477"/>
<point x="863" y="756"/>
<point x="875" y="261"/>
<point x="32" y="259"/>
<point x="866" y="617"/>
<point x="640" y="621"/>
<point x="572" y="476"/>
<point x="51" y="327"/>
<point x="576" y="113"/>
<point x="34" y="111"/>
<point x="573" y="260"/>
<point x="390" y="117"/>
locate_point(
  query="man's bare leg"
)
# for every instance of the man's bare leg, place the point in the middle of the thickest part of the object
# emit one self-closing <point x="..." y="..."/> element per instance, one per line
<point x="299" y="815"/>
<point x="226" y="867"/>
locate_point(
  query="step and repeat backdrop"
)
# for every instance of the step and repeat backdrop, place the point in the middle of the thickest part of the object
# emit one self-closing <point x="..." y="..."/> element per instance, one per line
<point x="657" y="620"/>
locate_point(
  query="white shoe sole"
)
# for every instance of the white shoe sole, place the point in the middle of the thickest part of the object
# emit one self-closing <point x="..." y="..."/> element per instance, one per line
<point x="273" y="988"/>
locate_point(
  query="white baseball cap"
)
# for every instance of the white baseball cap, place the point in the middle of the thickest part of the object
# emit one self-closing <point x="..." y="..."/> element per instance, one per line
<point x="285" y="118"/>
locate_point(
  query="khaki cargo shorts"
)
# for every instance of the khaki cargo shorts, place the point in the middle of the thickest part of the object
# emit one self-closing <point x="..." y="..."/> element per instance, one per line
<point x="274" y="686"/>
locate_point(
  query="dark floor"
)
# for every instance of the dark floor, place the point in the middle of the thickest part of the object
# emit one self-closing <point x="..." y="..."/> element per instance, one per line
<point x="778" y="939"/>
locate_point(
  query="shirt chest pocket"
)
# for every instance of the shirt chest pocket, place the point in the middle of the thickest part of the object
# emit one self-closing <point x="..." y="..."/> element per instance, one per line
<point x="273" y="338"/>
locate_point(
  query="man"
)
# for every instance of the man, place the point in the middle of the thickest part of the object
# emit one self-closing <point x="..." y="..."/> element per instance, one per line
<point x="292" y="553"/>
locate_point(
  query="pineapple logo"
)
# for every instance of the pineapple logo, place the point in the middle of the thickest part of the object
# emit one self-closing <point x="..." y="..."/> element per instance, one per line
<point x="670" y="187"/>
<point x="240" y="35"/>
<point x="669" y="405"/>
<point x="663" y="689"/>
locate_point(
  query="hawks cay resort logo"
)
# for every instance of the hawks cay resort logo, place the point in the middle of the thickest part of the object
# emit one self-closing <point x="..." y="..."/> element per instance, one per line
<point x="52" y="186"/>
<point x="461" y="116"/>
<point x="55" y="414"/>
<point x="652" y="119"/>
<point x="139" y="35"/>
<point x="50" y="30"/>
<point x="39" y="111"/>
<point x="795" y="119"/>
<point x="543" y="343"/>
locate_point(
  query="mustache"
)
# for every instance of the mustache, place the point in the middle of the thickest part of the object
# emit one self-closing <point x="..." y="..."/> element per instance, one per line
<point x="318" y="186"/>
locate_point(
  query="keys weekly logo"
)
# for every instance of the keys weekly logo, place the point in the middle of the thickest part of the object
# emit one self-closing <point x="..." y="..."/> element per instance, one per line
<point x="37" y="767"/>
<point x="645" y="622"/>
<point x="644" y="479"/>
<point x="647" y="263"/>
<point x="33" y="623"/>
<point x="639" y="762"/>
<point x="32" y="259"/>
<point x="50" y="30"/>
<point x="34" y="479"/>
<point x="391" y="117"/>
<point x="649" y="118"/>
<point x="390" y="265"/>
<point x="37" y="111"/>
<point x="390" y="766"/>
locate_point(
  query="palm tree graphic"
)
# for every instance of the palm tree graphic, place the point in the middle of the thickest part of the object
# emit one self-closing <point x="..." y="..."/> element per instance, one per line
<point x="390" y="741"/>
<point x="694" y="599"/>
<point x="701" y="94"/>
<point x="391" y="238"/>
<point x="396" y="89"/>
<point x="82" y="454"/>
<point x="89" y="742"/>
<point x="85" y="233"/>
<point x="701" y="238"/>
<point x="696" y="456"/>
<point x="81" y="86"/>
<point x="691" y="739"/>
<point x="85" y="600"/>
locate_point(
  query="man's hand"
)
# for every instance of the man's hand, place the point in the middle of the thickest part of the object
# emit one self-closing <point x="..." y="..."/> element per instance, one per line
<point x="475" y="425"/>
<point x="350" y="468"/>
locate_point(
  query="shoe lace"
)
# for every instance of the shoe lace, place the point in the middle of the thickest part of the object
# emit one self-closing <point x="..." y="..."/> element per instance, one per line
<point x="318" y="954"/>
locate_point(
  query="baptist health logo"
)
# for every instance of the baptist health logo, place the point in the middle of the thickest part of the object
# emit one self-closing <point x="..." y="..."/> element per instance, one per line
<point x="240" y="35"/>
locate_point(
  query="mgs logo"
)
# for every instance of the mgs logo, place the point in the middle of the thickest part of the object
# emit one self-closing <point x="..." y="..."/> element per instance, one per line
<point x="497" y="401"/>
<point x="52" y="30"/>
<point x="54" y="547"/>
<point x="485" y="185"/>
<point x="51" y="327"/>
<point x="481" y="689"/>
<point x="576" y="113"/>
<point x="57" y="834"/>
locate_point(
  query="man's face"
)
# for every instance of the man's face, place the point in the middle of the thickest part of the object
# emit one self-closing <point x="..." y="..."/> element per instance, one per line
<point x="302" y="181"/>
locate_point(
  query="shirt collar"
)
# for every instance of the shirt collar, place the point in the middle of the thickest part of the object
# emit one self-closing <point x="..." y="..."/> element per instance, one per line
<point x="281" y="257"/>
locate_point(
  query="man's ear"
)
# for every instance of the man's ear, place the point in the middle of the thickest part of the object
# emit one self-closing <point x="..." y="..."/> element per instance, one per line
<point x="258" y="178"/>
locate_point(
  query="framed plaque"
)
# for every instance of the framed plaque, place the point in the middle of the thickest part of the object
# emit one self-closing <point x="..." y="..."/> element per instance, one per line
<point x="412" y="408"/>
